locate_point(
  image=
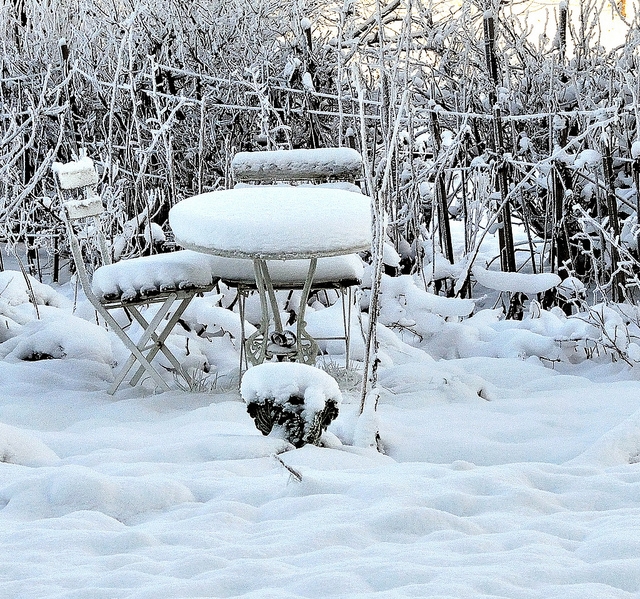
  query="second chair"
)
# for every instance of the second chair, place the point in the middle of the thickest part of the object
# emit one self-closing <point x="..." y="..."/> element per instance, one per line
<point x="171" y="280"/>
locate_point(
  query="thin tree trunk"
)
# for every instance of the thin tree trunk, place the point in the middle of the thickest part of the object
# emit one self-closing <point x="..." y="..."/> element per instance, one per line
<point x="560" y="256"/>
<point x="636" y="179"/>
<point x="617" y="282"/>
<point x="562" y="30"/>
<point x="505" y="233"/>
<point x="444" y="227"/>
<point x="73" y="113"/>
<point x="463" y="157"/>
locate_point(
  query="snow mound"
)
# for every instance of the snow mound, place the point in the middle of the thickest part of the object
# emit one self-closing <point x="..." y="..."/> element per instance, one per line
<point x="19" y="447"/>
<point x="515" y="281"/>
<point x="78" y="173"/>
<point x="176" y="270"/>
<point x="274" y="222"/>
<point x="14" y="291"/>
<point x="414" y="301"/>
<point x="72" y="489"/>
<point x="293" y="400"/>
<point x="214" y="320"/>
<point x="620" y="445"/>
<point x="58" y="335"/>
<point x="587" y="158"/>
<point x="281" y="380"/>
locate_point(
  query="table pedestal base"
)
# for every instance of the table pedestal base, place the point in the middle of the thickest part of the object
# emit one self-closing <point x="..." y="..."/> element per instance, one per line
<point x="276" y="341"/>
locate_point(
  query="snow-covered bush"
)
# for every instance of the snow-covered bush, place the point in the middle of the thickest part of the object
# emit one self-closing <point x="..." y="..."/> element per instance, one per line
<point x="291" y="400"/>
<point x="455" y="127"/>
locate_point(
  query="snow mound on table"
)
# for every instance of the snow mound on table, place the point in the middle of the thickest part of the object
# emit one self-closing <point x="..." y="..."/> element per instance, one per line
<point x="274" y="222"/>
<point x="19" y="447"/>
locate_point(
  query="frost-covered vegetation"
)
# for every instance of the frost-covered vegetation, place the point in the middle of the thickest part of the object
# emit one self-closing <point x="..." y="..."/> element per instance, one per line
<point x="471" y="117"/>
<point x="496" y="453"/>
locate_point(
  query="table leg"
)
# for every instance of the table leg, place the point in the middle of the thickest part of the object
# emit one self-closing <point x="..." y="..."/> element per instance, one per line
<point x="306" y="344"/>
<point x="264" y="344"/>
<point x="267" y="293"/>
<point x="256" y="344"/>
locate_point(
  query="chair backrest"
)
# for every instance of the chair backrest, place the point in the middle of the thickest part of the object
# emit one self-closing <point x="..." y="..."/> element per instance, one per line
<point x="82" y="177"/>
<point x="318" y="165"/>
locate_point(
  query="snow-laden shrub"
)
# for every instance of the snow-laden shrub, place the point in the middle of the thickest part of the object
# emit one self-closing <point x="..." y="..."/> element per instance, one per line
<point x="447" y="328"/>
<point x="291" y="400"/>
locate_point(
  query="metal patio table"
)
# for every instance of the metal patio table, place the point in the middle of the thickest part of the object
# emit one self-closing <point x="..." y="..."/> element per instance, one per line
<point x="262" y="223"/>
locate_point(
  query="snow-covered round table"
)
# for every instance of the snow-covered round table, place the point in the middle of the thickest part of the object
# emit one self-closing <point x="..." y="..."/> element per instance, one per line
<point x="263" y="223"/>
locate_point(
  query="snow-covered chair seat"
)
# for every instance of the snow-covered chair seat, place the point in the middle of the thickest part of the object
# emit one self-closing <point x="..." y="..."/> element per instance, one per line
<point x="170" y="280"/>
<point x="293" y="400"/>
<point x="140" y="279"/>
<point x="331" y="272"/>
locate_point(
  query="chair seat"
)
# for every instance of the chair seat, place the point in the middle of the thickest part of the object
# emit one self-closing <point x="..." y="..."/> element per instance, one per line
<point x="141" y="278"/>
<point x="331" y="272"/>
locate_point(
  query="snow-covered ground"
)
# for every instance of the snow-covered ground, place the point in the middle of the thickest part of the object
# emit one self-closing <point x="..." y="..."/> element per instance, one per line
<point x="502" y="476"/>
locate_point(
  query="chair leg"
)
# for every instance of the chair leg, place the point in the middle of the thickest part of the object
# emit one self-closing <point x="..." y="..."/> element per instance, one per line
<point x="137" y="349"/>
<point x="347" y="298"/>
<point x="242" y="298"/>
<point x="159" y="339"/>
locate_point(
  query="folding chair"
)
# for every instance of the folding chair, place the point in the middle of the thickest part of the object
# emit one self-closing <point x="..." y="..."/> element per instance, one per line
<point x="326" y="167"/>
<point x="165" y="279"/>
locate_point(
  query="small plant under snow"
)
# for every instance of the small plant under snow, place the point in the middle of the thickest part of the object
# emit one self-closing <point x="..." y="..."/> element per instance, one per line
<point x="292" y="400"/>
